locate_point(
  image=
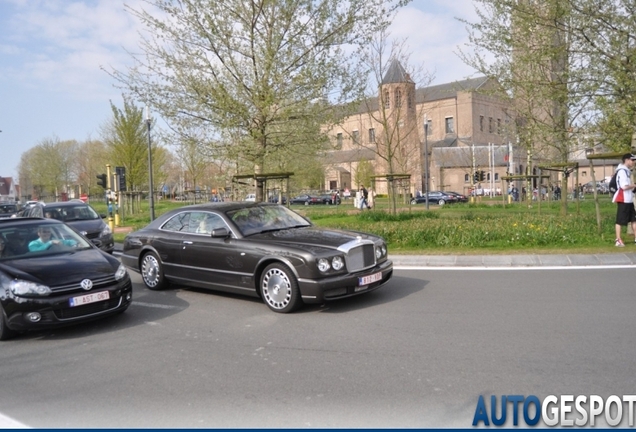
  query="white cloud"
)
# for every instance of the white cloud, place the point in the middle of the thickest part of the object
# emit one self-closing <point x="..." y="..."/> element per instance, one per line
<point x="62" y="45"/>
<point x="434" y="34"/>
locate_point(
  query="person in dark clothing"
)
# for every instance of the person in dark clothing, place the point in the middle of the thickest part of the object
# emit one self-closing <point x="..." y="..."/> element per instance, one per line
<point x="364" y="196"/>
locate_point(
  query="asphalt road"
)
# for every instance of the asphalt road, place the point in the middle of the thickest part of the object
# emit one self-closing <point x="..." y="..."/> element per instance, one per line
<point x="416" y="353"/>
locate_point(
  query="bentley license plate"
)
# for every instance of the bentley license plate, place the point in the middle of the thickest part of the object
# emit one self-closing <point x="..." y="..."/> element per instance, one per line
<point x="366" y="280"/>
<point x="89" y="298"/>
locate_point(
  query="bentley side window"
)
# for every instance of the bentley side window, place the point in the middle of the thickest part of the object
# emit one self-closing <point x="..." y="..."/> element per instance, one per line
<point x="179" y="222"/>
<point x="204" y="223"/>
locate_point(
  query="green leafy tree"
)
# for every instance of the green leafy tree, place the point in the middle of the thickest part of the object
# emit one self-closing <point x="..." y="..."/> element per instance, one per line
<point x="528" y="46"/>
<point x="261" y="69"/>
<point x="608" y="31"/>
<point x="49" y="168"/>
<point x="126" y="140"/>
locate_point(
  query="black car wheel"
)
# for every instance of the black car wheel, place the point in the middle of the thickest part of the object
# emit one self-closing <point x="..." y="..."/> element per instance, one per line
<point x="306" y="202"/>
<point x="279" y="288"/>
<point x="441" y="202"/>
<point x="413" y="201"/>
<point x="5" y="332"/>
<point x="152" y="273"/>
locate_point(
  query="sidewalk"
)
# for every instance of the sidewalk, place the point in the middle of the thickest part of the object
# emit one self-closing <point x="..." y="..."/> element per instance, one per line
<point x="556" y="260"/>
<point x="512" y="261"/>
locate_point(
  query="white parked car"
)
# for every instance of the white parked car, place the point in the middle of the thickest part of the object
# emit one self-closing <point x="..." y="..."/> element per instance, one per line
<point x="250" y="197"/>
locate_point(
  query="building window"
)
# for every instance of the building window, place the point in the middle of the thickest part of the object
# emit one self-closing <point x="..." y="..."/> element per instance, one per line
<point x="450" y="125"/>
<point x="339" y="141"/>
<point x="398" y="98"/>
<point x="387" y="100"/>
<point x="583" y="173"/>
<point x="371" y="135"/>
<point x="499" y="126"/>
<point x="410" y="100"/>
<point x="481" y="123"/>
<point x="429" y="127"/>
<point x="356" y="137"/>
<point x="496" y="176"/>
<point x="488" y="176"/>
<point x="491" y="125"/>
<point x="466" y="178"/>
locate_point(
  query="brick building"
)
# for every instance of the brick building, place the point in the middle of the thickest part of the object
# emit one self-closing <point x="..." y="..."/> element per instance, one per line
<point x="467" y="130"/>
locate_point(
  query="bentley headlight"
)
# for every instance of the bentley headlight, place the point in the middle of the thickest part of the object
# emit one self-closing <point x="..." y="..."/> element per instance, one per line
<point x="383" y="250"/>
<point x="337" y="263"/>
<point x="378" y="252"/>
<point x="323" y="265"/>
<point x="22" y="287"/>
<point x="121" y="272"/>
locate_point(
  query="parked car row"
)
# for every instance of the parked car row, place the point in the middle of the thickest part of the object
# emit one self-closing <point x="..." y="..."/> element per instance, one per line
<point x="306" y="199"/>
<point x="439" y="198"/>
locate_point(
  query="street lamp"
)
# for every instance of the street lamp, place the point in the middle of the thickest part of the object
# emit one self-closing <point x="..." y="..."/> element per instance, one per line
<point x="426" y="159"/>
<point x="150" y="185"/>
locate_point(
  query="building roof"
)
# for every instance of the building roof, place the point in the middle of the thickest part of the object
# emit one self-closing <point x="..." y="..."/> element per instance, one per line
<point x="449" y="90"/>
<point x="396" y="74"/>
<point x="428" y="94"/>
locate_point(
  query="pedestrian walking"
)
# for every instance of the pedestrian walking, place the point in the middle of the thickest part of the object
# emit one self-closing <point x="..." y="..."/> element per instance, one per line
<point x="624" y="197"/>
<point x="364" y="196"/>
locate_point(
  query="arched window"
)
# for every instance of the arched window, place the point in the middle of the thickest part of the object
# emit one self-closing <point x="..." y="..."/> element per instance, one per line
<point x="387" y="100"/>
<point x="398" y="98"/>
<point x="466" y="178"/>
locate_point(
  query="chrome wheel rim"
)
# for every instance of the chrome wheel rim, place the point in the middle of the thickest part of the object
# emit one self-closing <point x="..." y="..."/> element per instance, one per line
<point x="150" y="271"/>
<point x="277" y="289"/>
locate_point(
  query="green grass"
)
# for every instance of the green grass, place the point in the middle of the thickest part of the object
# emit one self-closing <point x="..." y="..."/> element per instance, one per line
<point x="487" y="227"/>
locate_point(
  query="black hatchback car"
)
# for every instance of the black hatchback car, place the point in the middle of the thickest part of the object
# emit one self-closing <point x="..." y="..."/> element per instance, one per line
<point x="8" y="209"/>
<point x="257" y="249"/>
<point x="81" y="217"/>
<point x="51" y="276"/>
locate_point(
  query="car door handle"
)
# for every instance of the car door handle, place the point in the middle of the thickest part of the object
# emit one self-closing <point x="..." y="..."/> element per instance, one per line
<point x="187" y="242"/>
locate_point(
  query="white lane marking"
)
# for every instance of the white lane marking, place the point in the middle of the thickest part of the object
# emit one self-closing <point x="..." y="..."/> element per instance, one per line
<point x="568" y="267"/>
<point x="154" y="305"/>
<point x="9" y="423"/>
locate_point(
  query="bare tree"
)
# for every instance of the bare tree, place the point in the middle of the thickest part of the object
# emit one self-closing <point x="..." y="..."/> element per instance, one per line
<point x="393" y="120"/>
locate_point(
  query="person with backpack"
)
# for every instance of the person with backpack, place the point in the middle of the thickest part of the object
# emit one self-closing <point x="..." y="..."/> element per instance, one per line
<point x="624" y="197"/>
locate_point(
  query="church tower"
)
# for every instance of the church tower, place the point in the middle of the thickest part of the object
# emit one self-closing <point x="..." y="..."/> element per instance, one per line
<point x="398" y="137"/>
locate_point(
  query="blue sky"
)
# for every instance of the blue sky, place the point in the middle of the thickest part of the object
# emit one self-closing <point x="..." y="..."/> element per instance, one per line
<point x="52" y="85"/>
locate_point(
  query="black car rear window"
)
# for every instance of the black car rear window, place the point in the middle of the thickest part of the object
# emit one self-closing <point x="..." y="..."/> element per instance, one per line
<point x="8" y="208"/>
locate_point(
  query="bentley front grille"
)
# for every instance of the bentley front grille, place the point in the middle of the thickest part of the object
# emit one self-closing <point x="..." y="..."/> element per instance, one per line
<point x="360" y="257"/>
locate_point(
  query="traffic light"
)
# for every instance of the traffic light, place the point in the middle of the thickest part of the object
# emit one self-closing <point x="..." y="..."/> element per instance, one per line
<point x="101" y="181"/>
<point x="121" y="178"/>
<point x="482" y="176"/>
<point x="476" y="177"/>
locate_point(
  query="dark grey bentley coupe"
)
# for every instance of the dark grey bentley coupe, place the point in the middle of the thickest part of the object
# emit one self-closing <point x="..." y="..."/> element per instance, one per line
<point x="258" y="249"/>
